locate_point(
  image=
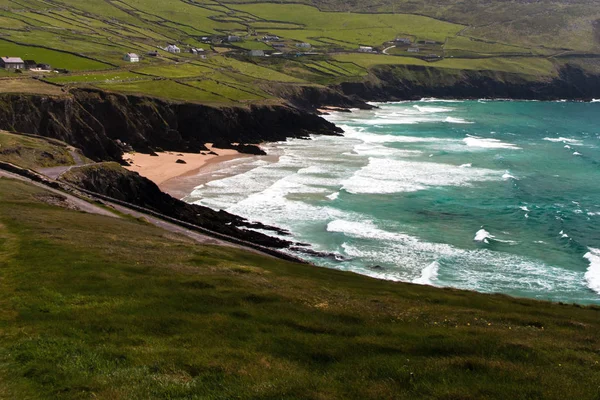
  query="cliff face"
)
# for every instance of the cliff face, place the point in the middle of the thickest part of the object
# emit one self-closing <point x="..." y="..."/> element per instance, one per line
<point x="99" y="122"/>
<point x="389" y="83"/>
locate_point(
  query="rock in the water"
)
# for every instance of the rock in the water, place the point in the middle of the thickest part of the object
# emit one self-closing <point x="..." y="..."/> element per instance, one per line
<point x="180" y="161"/>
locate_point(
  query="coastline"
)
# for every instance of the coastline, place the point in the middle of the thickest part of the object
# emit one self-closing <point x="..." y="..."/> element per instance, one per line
<point x="169" y="175"/>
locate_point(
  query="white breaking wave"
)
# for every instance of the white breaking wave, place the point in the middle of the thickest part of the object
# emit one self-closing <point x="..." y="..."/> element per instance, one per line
<point x="563" y="140"/>
<point x="481" y="269"/>
<point x="595" y="101"/>
<point x="366" y="137"/>
<point x="429" y="109"/>
<point x="383" y="176"/>
<point x="524" y="208"/>
<point x="453" y="120"/>
<point x="428" y="275"/>
<point x="508" y="176"/>
<point x="592" y="275"/>
<point x="483" y="236"/>
<point x="576" y="153"/>
<point x="468" y="165"/>
<point x="434" y="100"/>
<point x="486" y="143"/>
<point x="333" y="196"/>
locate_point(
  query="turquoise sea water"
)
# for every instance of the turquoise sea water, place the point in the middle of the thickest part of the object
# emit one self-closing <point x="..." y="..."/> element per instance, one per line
<point x="493" y="196"/>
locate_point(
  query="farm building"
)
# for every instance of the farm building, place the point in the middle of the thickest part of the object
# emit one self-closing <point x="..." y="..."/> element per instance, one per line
<point x="256" y="53"/>
<point x="173" y="49"/>
<point x="303" y="45"/>
<point x="131" y="57"/>
<point x="196" y="51"/>
<point x="233" y="38"/>
<point x="413" y="50"/>
<point x="365" y="49"/>
<point x="269" y="38"/>
<point x="45" y="67"/>
<point x="402" y="40"/>
<point x="278" y="45"/>
<point x="12" y="63"/>
<point x="152" y="53"/>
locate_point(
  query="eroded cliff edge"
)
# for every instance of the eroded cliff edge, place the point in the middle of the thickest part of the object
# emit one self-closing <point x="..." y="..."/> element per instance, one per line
<point x="103" y="124"/>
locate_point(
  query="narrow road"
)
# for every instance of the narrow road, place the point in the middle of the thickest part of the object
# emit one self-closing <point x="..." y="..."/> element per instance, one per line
<point x="88" y="207"/>
<point x="75" y="201"/>
<point x="56" y="172"/>
<point x="385" y="51"/>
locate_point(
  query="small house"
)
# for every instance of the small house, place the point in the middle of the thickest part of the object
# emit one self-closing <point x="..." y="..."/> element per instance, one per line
<point x="12" y="63"/>
<point x="413" y="49"/>
<point x="365" y="49"/>
<point x="430" y="42"/>
<point x="256" y="53"/>
<point x="44" y="67"/>
<point x="270" y="38"/>
<point x="173" y="49"/>
<point x="131" y="57"/>
<point x="278" y="45"/>
<point x="196" y="51"/>
<point x="303" y="45"/>
<point x="233" y="38"/>
<point x="402" y="40"/>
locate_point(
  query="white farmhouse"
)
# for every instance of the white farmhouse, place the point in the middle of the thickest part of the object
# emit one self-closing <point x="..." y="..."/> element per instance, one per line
<point x="173" y="49"/>
<point x="131" y="57"/>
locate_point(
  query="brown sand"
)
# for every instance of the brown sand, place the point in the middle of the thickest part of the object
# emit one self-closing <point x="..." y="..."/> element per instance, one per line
<point x="164" y="167"/>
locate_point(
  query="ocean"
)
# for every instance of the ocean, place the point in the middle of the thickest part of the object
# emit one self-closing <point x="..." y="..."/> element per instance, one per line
<point x="492" y="196"/>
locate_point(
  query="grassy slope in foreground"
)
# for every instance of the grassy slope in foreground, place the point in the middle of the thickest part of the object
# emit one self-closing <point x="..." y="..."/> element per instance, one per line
<point x="98" y="307"/>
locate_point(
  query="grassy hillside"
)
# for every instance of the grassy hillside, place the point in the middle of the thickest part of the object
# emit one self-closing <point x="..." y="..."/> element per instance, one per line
<point x="98" y="307"/>
<point x="33" y="152"/>
<point x="88" y="40"/>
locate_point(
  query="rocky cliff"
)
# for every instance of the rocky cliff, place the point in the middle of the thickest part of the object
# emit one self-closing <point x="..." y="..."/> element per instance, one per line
<point x="389" y="83"/>
<point x="110" y="179"/>
<point x="103" y="124"/>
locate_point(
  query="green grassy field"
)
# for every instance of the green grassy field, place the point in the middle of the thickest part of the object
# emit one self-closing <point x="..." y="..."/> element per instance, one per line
<point x="96" y="78"/>
<point x="81" y="36"/>
<point x="107" y="308"/>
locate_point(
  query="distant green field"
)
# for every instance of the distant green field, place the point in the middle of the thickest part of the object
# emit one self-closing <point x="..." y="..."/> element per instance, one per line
<point x="229" y="92"/>
<point x="358" y="29"/>
<point x="253" y="70"/>
<point x="106" y="30"/>
<point x="183" y="70"/>
<point x="96" y="78"/>
<point x="532" y="66"/>
<point x="165" y="89"/>
<point x="54" y="58"/>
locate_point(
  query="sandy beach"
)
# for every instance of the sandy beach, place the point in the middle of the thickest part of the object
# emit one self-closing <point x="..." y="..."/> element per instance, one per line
<point x="169" y="175"/>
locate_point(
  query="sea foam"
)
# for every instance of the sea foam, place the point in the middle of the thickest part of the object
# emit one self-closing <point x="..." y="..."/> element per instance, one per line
<point x="428" y="274"/>
<point x="395" y="176"/>
<point x="592" y="275"/>
<point x="483" y="236"/>
<point x="563" y="140"/>
<point x="487" y="143"/>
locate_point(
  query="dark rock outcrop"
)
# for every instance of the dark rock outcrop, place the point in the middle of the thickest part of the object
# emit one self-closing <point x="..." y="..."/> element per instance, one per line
<point x="102" y="123"/>
<point x="112" y="180"/>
